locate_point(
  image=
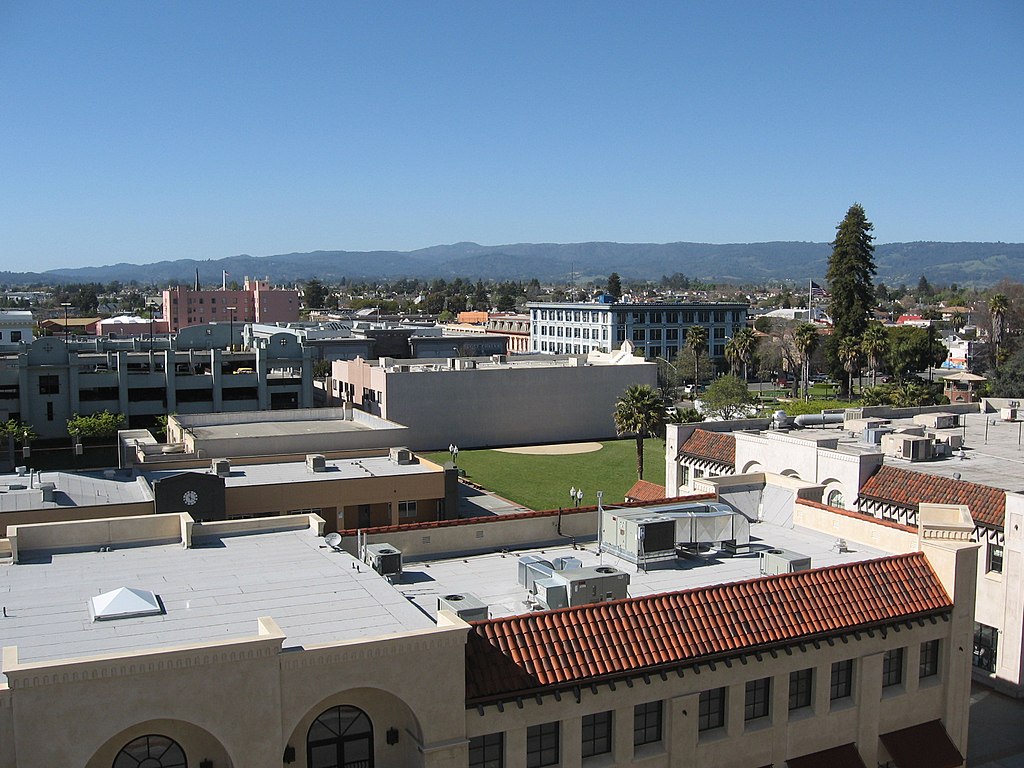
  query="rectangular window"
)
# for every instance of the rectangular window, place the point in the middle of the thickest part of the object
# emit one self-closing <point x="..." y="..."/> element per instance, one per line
<point x="487" y="751"/>
<point x="49" y="385"/>
<point x="758" y="698"/>
<point x="542" y="745"/>
<point x="597" y="734"/>
<point x="49" y="411"/>
<point x="801" y="686"/>
<point x="671" y="318"/>
<point x="841" y="685"/>
<point x="647" y="723"/>
<point x="986" y="644"/>
<point x="671" y="334"/>
<point x="892" y="667"/>
<point x="684" y="475"/>
<point x="711" y="712"/>
<point x="995" y="558"/>
<point x="929" y="659"/>
<point x="407" y="509"/>
<point x="15" y="336"/>
<point x="639" y="334"/>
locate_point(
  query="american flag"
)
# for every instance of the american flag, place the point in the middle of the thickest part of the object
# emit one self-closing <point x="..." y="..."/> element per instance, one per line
<point x="817" y="292"/>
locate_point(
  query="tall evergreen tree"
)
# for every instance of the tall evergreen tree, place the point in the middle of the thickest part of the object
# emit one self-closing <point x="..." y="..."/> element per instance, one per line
<point x="614" y="288"/>
<point x="851" y="268"/>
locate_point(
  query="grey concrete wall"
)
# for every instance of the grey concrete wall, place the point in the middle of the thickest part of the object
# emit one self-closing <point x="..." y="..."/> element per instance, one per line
<point x="500" y="406"/>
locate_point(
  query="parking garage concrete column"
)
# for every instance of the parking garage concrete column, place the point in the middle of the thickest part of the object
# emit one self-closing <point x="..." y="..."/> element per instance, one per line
<point x="218" y="380"/>
<point x="169" y="381"/>
<point x="122" y="382"/>
<point x="261" y="379"/>
<point x="73" y="391"/>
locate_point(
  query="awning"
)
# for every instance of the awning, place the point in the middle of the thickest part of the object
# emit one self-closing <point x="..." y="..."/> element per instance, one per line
<point x="845" y="756"/>
<point x="923" y="746"/>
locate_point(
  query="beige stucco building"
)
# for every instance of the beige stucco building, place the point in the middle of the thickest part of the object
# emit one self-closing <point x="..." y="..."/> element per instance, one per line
<point x="493" y="401"/>
<point x="263" y="643"/>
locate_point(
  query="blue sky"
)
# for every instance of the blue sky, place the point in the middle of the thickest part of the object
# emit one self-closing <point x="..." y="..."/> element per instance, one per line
<point x="141" y="131"/>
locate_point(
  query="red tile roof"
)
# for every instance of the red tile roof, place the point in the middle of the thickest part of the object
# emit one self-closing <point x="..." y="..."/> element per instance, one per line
<point x="524" y="654"/>
<point x="908" y="489"/>
<point x="717" y="446"/>
<point x="645" y="491"/>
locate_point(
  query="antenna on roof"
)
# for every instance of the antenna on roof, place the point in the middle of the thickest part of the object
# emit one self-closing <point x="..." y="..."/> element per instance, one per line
<point x="956" y="475"/>
<point x="333" y="541"/>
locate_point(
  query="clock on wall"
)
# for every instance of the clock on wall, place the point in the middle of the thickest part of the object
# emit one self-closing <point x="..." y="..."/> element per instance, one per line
<point x="190" y="498"/>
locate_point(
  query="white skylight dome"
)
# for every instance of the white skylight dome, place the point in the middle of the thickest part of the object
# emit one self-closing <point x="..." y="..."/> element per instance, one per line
<point x="125" y="603"/>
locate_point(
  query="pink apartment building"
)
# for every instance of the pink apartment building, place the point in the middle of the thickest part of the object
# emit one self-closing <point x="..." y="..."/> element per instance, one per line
<point x="257" y="302"/>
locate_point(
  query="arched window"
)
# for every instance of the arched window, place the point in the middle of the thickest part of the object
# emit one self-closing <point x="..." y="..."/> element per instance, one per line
<point x="835" y="499"/>
<point x="342" y="737"/>
<point x="151" y="752"/>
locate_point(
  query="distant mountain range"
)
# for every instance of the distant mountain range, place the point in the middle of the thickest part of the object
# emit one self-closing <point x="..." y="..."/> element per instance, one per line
<point x="977" y="264"/>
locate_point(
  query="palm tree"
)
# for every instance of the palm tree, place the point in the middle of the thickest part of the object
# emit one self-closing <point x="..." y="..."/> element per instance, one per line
<point x="806" y="339"/>
<point x="849" y="356"/>
<point x="638" y="412"/>
<point x="732" y="356"/>
<point x="956" y="321"/>
<point x="874" y="344"/>
<point x="997" y="307"/>
<point x="697" y="341"/>
<point x="745" y="341"/>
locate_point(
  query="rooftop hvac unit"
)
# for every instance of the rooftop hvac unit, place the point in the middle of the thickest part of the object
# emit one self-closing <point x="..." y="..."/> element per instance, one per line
<point x="384" y="559"/>
<point x="531" y="568"/>
<point x="1008" y="414"/>
<point x="552" y="593"/>
<point x="401" y="456"/>
<point x="47" y="489"/>
<point x="567" y="563"/>
<point x="315" y="462"/>
<point x="873" y="435"/>
<point x="776" y="561"/>
<point x="466" y="606"/>
<point x="221" y="467"/>
<point x="596" y="584"/>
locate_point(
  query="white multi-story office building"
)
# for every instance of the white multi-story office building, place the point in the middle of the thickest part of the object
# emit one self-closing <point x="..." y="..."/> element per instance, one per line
<point x="659" y="330"/>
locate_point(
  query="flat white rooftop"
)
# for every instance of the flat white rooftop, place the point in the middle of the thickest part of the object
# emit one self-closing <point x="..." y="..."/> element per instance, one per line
<point x="296" y="471"/>
<point x="71" y="489"/>
<point x="493" y="578"/>
<point x="214" y="591"/>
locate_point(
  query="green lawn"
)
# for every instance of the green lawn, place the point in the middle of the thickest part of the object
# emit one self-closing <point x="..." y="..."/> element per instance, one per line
<point x="543" y="482"/>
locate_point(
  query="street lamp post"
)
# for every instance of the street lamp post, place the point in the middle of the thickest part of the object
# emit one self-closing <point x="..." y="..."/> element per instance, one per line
<point x="576" y="495"/>
<point x="453" y="449"/>
<point x="232" y="332"/>
<point x="66" y="305"/>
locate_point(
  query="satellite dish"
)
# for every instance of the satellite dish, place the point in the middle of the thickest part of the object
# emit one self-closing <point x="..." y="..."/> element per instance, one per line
<point x="333" y="540"/>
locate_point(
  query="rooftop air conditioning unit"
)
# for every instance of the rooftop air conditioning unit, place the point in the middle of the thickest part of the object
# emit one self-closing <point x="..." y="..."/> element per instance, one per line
<point x="401" y="456"/>
<point x="221" y="467"/>
<point x="384" y="559"/>
<point x="776" y="561"/>
<point x="566" y="563"/>
<point x="315" y="462"/>
<point x="531" y="568"/>
<point x="465" y="605"/>
<point x="47" y="489"/>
